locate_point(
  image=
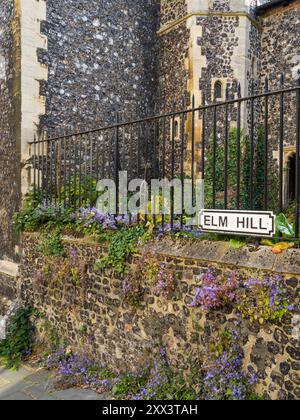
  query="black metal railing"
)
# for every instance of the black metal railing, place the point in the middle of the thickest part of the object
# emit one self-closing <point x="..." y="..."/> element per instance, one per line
<point x="245" y="148"/>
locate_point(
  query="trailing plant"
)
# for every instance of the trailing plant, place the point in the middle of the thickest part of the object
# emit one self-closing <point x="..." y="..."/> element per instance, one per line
<point x="60" y="270"/>
<point x="220" y="375"/>
<point x="148" y="273"/>
<point x="122" y="244"/>
<point x="217" y="290"/>
<point x="79" y="370"/>
<point x="264" y="299"/>
<point x="133" y="288"/>
<point x="31" y="219"/>
<point x="51" y="244"/>
<point x="224" y="378"/>
<point x="19" y="341"/>
<point x="128" y="385"/>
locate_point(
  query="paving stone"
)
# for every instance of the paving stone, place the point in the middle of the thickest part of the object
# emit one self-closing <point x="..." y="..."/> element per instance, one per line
<point x="75" y="394"/>
<point x="32" y="384"/>
<point x="17" y="396"/>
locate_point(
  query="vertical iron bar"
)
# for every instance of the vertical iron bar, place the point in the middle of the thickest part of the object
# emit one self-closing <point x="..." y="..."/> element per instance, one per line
<point x="214" y="156"/>
<point x="103" y="155"/>
<point x="297" y="186"/>
<point x="34" y="168"/>
<point x="130" y="166"/>
<point x="173" y="168"/>
<point x="281" y="145"/>
<point x="193" y="150"/>
<point x="238" y="190"/>
<point x="138" y="161"/>
<point x="43" y="169"/>
<point x="97" y="166"/>
<point x="80" y="172"/>
<point x="86" y="169"/>
<point x="252" y="134"/>
<point x="70" y="172"/>
<point x="91" y="168"/>
<point x="203" y="139"/>
<point x="65" y="171"/>
<point x="51" y="169"/>
<point x="39" y="171"/>
<point x="164" y="170"/>
<point x="59" y="166"/>
<point x="74" y="141"/>
<point x="55" y="172"/>
<point x="47" y="170"/>
<point x="226" y="152"/>
<point x="266" y="146"/>
<point x="182" y="163"/>
<point x="155" y="163"/>
<point x="116" y="164"/>
<point x="147" y="131"/>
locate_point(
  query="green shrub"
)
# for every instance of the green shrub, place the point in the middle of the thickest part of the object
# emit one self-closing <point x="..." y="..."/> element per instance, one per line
<point x="19" y="340"/>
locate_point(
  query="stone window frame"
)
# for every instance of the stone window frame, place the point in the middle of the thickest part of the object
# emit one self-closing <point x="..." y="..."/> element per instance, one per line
<point x="177" y="128"/>
<point x="223" y="82"/>
<point x="288" y="152"/>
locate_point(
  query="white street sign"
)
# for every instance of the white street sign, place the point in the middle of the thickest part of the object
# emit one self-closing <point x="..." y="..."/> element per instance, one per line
<point x="254" y="223"/>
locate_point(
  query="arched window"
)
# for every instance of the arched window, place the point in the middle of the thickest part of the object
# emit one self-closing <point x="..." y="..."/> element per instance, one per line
<point x="254" y="67"/>
<point x="176" y="129"/>
<point x="218" y="90"/>
<point x="291" y="179"/>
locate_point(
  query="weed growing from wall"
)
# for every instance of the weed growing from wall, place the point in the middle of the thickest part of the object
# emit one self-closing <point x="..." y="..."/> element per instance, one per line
<point x="19" y="341"/>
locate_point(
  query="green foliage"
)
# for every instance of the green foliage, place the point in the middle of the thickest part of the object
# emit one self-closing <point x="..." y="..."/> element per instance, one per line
<point x="122" y="244"/>
<point x="77" y="192"/>
<point x="148" y="274"/>
<point x="257" y="173"/>
<point x="62" y="269"/>
<point x="172" y="386"/>
<point x="264" y="299"/>
<point x="219" y="170"/>
<point x="237" y="244"/>
<point x="31" y="219"/>
<point x="284" y="227"/>
<point x="19" y="342"/>
<point x="129" y="385"/>
<point x="51" y="244"/>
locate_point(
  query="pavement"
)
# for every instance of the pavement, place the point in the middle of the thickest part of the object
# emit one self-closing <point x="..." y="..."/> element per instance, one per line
<point x="30" y="383"/>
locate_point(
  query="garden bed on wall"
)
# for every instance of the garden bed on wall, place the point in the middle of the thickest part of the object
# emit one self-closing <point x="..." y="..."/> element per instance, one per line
<point x="163" y="299"/>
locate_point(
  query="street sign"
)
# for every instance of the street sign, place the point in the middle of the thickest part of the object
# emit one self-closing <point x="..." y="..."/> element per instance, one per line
<point x="252" y="223"/>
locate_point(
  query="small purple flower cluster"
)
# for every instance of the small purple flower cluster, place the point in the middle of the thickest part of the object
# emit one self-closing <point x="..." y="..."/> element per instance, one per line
<point x="265" y="298"/>
<point x="89" y="215"/>
<point x="77" y="370"/>
<point x="157" y="380"/>
<point x="165" y="283"/>
<point x="225" y="378"/>
<point x="216" y="290"/>
<point x="276" y="287"/>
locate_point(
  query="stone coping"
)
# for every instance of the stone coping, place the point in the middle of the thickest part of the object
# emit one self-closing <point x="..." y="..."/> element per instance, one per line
<point x="9" y="268"/>
<point x="169" y="26"/>
<point x="260" y="258"/>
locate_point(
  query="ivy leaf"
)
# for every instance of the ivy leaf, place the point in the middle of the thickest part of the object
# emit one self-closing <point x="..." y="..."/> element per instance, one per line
<point x="267" y="242"/>
<point x="236" y="244"/>
<point x="284" y="227"/>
